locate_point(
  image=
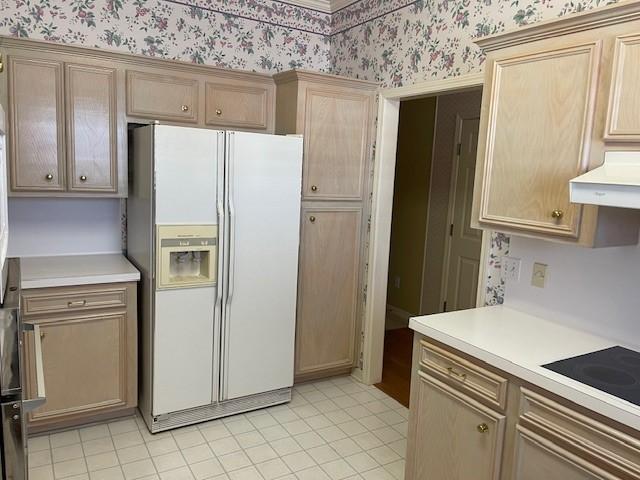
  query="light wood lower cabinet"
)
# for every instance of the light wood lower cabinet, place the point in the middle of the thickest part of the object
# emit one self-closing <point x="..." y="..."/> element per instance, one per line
<point x="327" y="291"/>
<point x="89" y="354"/>
<point x="458" y="431"/>
<point x="537" y="458"/>
<point x="452" y="436"/>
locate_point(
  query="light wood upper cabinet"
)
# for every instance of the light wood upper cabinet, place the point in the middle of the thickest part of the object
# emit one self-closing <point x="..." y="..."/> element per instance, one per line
<point x="336" y="144"/>
<point x="537" y="138"/>
<point x="327" y="292"/>
<point x="36" y="125"/>
<point x="548" y="92"/>
<point x="623" y="117"/>
<point x="235" y="105"/>
<point x="91" y="128"/>
<point x="162" y="97"/>
<point x="451" y="436"/>
<point x="335" y="116"/>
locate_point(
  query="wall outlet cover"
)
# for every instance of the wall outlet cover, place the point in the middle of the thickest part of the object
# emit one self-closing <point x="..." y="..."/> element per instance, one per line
<point x="510" y="270"/>
<point x="539" y="275"/>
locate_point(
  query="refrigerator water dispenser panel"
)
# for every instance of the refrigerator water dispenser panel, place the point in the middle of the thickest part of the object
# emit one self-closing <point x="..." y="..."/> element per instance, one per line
<point x="188" y="256"/>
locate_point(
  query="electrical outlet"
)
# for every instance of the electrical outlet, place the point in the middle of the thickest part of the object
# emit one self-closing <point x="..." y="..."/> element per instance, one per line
<point x="539" y="275"/>
<point x="511" y="269"/>
<point x="396" y="282"/>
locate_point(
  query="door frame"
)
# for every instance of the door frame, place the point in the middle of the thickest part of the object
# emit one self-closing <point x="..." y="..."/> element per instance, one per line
<point x="382" y="209"/>
<point x="455" y="163"/>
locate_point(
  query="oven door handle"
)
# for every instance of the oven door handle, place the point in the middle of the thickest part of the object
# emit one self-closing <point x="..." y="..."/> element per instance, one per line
<point x="41" y="396"/>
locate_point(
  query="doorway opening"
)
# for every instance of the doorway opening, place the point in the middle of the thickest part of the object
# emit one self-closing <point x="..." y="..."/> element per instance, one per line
<point x="434" y="254"/>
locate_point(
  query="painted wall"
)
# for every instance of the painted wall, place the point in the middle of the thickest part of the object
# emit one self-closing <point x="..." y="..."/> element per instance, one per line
<point x="592" y="289"/>
<point x="410" y="203"/>
<point x="62" y="226"/>
<point x="467" y="105"/>
<point x="260" y="35"/>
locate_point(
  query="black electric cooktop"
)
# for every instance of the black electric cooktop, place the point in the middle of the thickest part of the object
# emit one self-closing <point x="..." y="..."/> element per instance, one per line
<point x="615" y="370"/>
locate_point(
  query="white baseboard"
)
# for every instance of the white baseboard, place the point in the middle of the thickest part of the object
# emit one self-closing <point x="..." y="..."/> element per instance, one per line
<point x="396" y="318"/>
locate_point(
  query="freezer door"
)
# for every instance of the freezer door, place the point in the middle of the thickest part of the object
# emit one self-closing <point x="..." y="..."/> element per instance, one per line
<point x="264" y="176"/>
<point x="186" y="175"/>
<point x="183" y="355"/>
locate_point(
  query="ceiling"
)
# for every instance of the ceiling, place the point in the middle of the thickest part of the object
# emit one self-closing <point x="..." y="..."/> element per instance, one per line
<point x="328" y="6"/>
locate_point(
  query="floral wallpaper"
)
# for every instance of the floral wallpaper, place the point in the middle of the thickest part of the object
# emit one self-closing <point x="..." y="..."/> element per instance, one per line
<point x="394" y="42"/>
<point x="259" y="35"/>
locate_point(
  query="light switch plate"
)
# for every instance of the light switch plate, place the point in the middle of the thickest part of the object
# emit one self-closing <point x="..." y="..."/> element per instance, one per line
<point x="511" y="269"/>
<point x="539" y="275"/>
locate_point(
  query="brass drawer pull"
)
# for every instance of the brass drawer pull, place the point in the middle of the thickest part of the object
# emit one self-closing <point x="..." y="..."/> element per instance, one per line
<point x="83" y="178"/>
<point x="312" y="219"/>
<point x="79" y="303"/>
<point x="557" y="214"/>
<point x="185" y="108"/>
<point x="314" y="188"/>
<point x="218" y="112"/>
<point x="483" y="428"/>
<point x="48" y="177"/>
<point x="462" y="376"/>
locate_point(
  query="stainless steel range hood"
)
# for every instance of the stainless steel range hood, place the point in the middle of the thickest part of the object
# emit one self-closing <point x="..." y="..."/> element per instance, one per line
<point x="614" y="184"/>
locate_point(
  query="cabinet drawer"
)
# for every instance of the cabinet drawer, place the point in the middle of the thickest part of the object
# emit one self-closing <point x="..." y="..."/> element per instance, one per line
<point x="600" y="443"/>
<point x="236" y="105"/>
<point x="42" y="302"/>
<point x="468" y="377"/>
<point x="162" y="97"/>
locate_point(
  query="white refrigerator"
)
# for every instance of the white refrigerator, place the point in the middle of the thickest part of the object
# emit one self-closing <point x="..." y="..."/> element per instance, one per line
<point x="213" y="225"/>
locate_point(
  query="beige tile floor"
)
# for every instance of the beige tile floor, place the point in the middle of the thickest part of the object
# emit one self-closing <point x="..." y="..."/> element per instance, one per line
<point x="332" y="430"/>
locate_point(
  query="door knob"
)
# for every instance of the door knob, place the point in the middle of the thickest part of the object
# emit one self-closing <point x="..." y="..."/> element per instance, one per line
<point x="557" y="214"/>
<point x="185" y="108"/>
<point x="314" y="188"/>
<point x="83" y="178"/>
<point x="218" y="112"/>
<point x="483" y="428"/>
<point x="312" y="219"/>
<point x="48" y="177"/>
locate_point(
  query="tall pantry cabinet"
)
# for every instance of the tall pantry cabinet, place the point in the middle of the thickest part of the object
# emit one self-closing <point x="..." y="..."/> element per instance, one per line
<point x="335" y="115"/>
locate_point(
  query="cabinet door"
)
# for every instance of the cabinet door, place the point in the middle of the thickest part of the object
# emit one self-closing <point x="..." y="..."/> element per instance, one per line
<point x="623" y="121"/>
<point x="451" y="436"/>
<point x="327" y="290"/>
<point x="85" y="363"/>
<point x="162" y="97"/>
<point x="336" y="133"/>
<point x="91" y="128"/>
<point x="236" y="106"/>
<point x="537" y="132"/>
<point x="538" y="458"/>
<point x="36" y="133"/>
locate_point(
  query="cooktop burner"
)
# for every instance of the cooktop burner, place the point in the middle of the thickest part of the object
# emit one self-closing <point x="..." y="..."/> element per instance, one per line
<point x="615" y="370"/>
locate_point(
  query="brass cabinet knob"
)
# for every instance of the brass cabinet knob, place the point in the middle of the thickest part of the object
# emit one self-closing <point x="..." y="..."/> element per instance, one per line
<point x="218" y="112"/>
<point x="557" y="214"/>
<point x="314" y="188"/>
<point x="83" y="178"/>
<point x="185" y="108"/>
<point x="312" y="219"/>
<point x="483" y="428"/>
<point x="48" y="177"/>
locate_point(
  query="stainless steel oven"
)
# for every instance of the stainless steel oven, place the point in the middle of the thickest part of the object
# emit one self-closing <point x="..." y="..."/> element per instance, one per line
<point x="13" y="404"/>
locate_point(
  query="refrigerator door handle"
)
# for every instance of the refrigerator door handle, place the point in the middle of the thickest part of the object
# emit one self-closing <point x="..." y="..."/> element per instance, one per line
<point x="232" y="221"/>
<point x="41" y="395"/>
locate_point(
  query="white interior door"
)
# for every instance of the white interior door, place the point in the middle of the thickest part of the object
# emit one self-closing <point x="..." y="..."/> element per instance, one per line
<point x="186" y="174"/>
<point x="465" y="243"/>
<point x="263" y="190"/>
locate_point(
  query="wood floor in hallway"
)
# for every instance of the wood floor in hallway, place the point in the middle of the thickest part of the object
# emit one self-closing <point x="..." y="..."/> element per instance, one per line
<point x="396" y="370"/>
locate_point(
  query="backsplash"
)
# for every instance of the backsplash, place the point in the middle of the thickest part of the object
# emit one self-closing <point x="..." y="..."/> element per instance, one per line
<point x="260" y="35"/>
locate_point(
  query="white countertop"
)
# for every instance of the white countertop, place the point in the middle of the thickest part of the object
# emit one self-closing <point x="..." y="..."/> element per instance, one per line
<point x="61" y="271"/>
<point x="519" y="344"/>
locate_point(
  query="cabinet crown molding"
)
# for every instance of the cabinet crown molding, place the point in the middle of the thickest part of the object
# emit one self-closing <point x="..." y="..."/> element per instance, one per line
<point x="134" y="60"/>
<point x="309" y="75"/>
<point x="621" y="12"/>
<point x="326" y="6"/>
